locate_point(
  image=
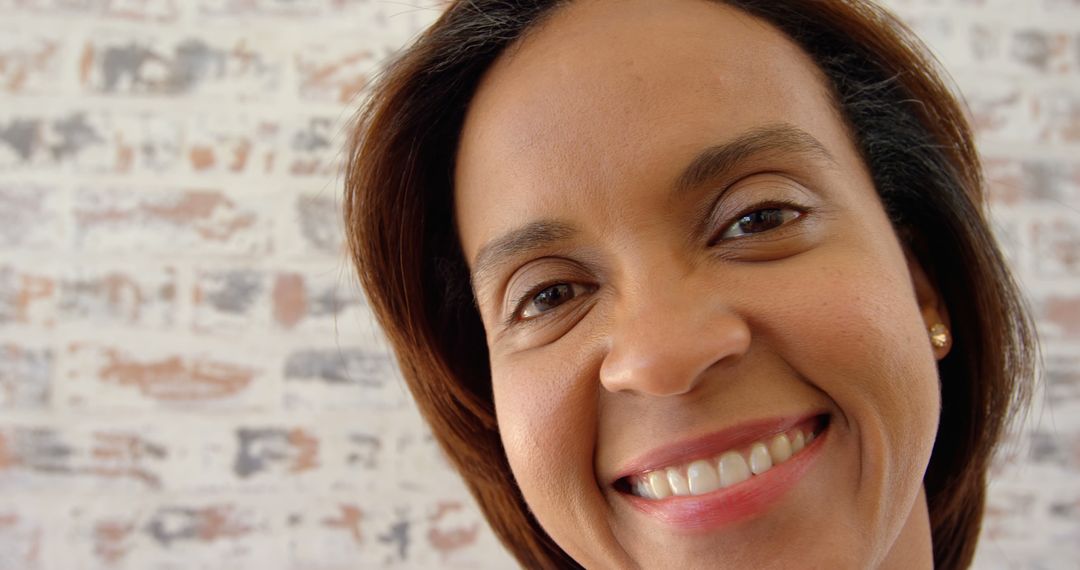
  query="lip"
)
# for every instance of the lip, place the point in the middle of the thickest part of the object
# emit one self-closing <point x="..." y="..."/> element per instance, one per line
<point x="711" y="444"/>
<point x="713" y="511"/>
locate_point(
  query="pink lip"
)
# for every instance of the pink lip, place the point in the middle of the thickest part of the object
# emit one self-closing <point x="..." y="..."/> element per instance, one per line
<point x="711" y="444"/>
<point x="727" y="506"/>
<point x="723" y="507"/>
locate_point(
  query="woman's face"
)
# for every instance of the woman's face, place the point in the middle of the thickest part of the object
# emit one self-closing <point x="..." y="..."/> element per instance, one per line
<point x="684" y="272"/>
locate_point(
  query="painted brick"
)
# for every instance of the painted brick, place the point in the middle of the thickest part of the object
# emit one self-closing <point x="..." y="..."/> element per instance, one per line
<point x="1062" y="377"/>
<point x="21" y="541"/>
<point x="85" y="458"/>
<point x="1043" y="51"/>
<point x="134" y="10"/>
<point x="103" y="376"/>
<point x="231" y="145"/>
<point x="1058" y="112"/>
<point x="193" y="221"/>
<point x="321" y="302"/>
<point x="118" y="295"/>
<point x="1057" y="244"/>
<point x="95" y="142"/>
<point x="29" y="63"/>
<point x="30" y="216"/>
<point x="1000" y="110"/>
<point x="241" y="68"/>
<point x="155" y="534"/>
<point x="336" y="71"/>
<point x="319" y="228"/>
<point x="342" y="378"/>
<point x="1012" y="182"/>
<point x="237" y="299"/>
<point x="315" y="144"/>
<point x="26" y="374"/>
<point x="231" y="300"/>
<point x="27" y="296"/>
<point x="1059" y="318"/>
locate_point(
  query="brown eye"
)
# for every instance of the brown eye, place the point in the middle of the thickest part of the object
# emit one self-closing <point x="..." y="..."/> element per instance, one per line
<point x="550" y="298"/>
<point x="760" y="221"/>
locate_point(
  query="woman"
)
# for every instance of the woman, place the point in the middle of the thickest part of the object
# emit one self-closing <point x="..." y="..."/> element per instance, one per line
<point x="692" y="283"/>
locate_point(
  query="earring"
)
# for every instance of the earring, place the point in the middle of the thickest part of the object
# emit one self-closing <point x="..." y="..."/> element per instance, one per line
<point x="939" y="335"/>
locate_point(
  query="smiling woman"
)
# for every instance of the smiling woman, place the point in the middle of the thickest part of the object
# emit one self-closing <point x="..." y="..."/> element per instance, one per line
<point x="692" y="283"/>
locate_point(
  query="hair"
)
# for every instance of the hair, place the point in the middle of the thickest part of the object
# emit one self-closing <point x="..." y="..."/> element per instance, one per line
<point x="911" y="133"/>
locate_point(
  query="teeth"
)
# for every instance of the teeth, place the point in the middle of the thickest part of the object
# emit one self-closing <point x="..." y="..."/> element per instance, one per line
<point x="703" y="478"/>
<point x="678" y="483"/>
<point x="780" y="448"/>
<point x="760" y="460"/>
<point x="731" y="468"/>
<point x="659" y="484"/>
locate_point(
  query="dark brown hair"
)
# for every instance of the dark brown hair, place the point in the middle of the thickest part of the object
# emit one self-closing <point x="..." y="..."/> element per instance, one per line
<point x="910" y="131"/>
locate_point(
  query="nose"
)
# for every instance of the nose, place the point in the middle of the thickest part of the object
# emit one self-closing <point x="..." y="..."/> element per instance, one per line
<point x="662" y="343"/>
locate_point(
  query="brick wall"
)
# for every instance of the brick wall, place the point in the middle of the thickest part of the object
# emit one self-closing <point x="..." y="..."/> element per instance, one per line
<point x="189" y="376"/>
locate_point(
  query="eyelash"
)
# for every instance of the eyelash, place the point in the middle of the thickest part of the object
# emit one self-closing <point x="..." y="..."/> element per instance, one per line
<point x="520" y="302"/>
<point x="763" y="206"/>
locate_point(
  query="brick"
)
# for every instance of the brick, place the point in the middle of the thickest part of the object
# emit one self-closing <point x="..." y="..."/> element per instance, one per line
<point x="1043" y="51"/>
<point x="238" y="68"/>
<point x="1062" y="378"/>
<point x="133" y="295"/>
<point x="1059" y="318"/>
<point x="275" y="450"/>
<point x="204" y="533"/>
<point x="93" y="142"/>
<point x="1056" y="240"/>
<point x="21" y="540"/>
<point x="324" y="302"/>
<point x="1000" y="110"/>
<point x="342" y="378"/>
<point x="228" y="301"/>
<point x="30" y="216"/>
<point x="27" y="297"/>
<point x="318" y="228"/>
<point x="1012" y="182"/>
<point x="315" y="145"/>
<point x="189" y="220"/>
<point x="365" y="15"/>
<point x="231" y="300"/>
<point x="135" y="10"/>
<point x="336" y="72"/>
<point x="104" y="376"/>
<point x="1058" y="113"/>
<point x="29" y="62"/>
<point x="84" y="458"/>
<point x="231" y="145"/>
<point x="26" y="374"/>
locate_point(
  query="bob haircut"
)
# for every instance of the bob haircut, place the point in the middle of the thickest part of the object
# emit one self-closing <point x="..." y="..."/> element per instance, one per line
<point x="901" y="116"/>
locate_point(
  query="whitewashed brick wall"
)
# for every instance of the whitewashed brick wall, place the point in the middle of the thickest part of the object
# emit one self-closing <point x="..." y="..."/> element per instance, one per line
<point x="189" y="377"/>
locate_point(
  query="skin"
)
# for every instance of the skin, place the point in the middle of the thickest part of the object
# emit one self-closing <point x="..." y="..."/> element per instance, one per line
<point x="670" y="326"/>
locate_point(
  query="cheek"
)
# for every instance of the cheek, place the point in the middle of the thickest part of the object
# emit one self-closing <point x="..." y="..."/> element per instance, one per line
<point x="547" y="419"/>
<point x="855" y="331"/>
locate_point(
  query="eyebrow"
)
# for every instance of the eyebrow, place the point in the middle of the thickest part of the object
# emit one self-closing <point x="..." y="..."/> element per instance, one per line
<point x="709" y="165"/>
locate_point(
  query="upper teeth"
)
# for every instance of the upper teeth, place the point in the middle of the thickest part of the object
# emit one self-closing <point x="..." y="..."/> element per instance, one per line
<point x="707" y="475"/>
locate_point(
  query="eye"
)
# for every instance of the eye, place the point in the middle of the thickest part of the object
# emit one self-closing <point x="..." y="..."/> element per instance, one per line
<point x="536" y="303"/>
<point x="759" y="221"/>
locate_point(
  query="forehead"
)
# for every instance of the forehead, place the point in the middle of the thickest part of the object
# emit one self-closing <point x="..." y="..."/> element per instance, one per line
<point x="609" y="94"/>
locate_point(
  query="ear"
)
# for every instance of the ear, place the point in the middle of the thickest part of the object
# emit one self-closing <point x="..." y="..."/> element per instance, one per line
<point x="931" y="303"/>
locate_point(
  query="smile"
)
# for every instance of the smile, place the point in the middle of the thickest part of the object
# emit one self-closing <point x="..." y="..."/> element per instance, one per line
<point x="720" y="479"/>
<point x="729" y="468"/>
